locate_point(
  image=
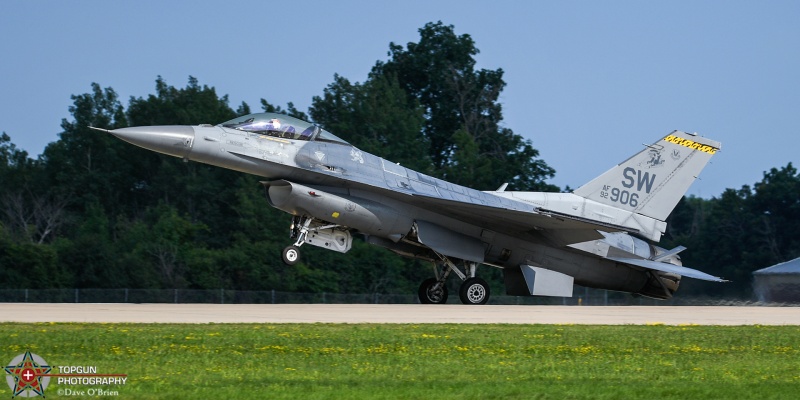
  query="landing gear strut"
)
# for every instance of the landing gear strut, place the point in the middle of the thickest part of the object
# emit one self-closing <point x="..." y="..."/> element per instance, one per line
<point x="318" y="233"/>
<point x="298" y="231"/>
<point x="472" y="291"/>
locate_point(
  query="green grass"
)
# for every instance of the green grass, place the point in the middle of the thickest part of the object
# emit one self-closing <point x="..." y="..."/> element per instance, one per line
<point x="321" y="361"/>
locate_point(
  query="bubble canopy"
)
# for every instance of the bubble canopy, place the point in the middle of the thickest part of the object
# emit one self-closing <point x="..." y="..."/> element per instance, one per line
<point x="282" y="126"/>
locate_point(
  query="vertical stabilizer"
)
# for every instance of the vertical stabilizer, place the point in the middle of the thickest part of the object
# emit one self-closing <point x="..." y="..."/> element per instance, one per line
<point x="653" y="181"/>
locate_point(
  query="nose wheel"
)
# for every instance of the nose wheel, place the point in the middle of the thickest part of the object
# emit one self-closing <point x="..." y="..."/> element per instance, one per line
<point x="291" y="255"/>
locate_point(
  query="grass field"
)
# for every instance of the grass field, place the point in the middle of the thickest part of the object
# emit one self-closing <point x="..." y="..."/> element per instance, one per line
<point x="320" y="361"/>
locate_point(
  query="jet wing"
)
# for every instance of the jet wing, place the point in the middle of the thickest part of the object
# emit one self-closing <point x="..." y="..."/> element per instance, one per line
<point x="665" y="267"/>
<point x="561" y="228"/>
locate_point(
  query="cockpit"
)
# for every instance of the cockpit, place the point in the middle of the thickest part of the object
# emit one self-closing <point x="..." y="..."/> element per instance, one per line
<point x="281" y="126"/>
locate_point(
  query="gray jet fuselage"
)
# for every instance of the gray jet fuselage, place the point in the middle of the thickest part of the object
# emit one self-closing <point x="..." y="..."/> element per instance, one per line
<point x="317" y="175"/>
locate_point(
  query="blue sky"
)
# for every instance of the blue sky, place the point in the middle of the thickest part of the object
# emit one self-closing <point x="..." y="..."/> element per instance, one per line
<point x="588" y="82"/>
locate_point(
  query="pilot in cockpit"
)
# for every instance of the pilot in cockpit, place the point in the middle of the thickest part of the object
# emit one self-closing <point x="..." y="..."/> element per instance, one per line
<point x="273" y="125"/>
<point x="275" y="128"/>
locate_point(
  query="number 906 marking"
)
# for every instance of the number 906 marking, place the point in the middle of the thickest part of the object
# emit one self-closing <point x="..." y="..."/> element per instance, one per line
<point x="624" y="197"/>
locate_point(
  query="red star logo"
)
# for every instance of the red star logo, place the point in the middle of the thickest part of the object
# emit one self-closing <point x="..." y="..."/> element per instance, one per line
<point x="28" y="375"/>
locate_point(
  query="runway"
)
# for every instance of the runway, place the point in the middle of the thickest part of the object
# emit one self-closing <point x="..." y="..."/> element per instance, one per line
<point x="394" y="314"/>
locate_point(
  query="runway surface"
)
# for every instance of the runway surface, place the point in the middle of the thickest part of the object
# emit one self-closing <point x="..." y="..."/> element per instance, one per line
<point x="394" y="313"/>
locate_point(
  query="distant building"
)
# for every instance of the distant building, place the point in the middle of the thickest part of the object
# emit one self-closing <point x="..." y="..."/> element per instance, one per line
<point x="779" y="283"/>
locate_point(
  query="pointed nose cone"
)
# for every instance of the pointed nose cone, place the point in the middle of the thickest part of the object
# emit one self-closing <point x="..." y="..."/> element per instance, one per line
<point x="175" y="140"/>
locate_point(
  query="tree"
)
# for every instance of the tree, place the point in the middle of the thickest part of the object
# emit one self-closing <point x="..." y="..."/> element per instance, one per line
<point x="31" y="212"/>
<point x="291" y="110"/>
<point x="740" y="231"/>
<point x="196" y="189"/>
<point x="192" y="105"/>
<point x="462" y="112"/>
<point x="172" y="238"/>
<point x="89" y="254"/>
<point x="15" y="165"/>
<point x="776" y="203"/>
<point x="29" y="265"/>
<point x="377" y="117"/>
<point x="86" y="166"/>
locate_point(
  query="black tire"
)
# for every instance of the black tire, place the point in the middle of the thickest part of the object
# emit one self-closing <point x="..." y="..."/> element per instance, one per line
<point x="291" y="255"/>
<point x="474" y="291"/>
<point x="426" y="296"/>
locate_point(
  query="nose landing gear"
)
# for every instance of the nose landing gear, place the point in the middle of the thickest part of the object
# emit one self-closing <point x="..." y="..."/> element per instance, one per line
<point x="299" y="231"/>
<point x="291" y="255"/>
<point x="316" y="233"/>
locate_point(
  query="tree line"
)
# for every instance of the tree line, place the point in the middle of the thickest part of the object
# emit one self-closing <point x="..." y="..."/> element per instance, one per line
<point x="95" y="212"/>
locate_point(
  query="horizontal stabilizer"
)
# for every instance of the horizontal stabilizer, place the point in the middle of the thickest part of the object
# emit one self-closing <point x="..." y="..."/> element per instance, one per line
<point x="665" y="267"/>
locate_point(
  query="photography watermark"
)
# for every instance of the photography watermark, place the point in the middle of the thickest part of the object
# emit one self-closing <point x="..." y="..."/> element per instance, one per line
<point x="29" y="375"/>
<point x="91" y="392"/>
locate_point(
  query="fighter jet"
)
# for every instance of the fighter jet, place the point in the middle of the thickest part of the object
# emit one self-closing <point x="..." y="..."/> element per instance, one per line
<point x="597" y="236"/>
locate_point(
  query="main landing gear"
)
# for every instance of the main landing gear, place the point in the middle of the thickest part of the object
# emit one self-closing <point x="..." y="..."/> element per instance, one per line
<point x="472" y="291"/>
<point x="335" y="237"/>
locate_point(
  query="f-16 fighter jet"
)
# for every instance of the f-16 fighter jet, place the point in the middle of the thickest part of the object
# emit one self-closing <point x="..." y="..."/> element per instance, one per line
<point x="598" y="236"/>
